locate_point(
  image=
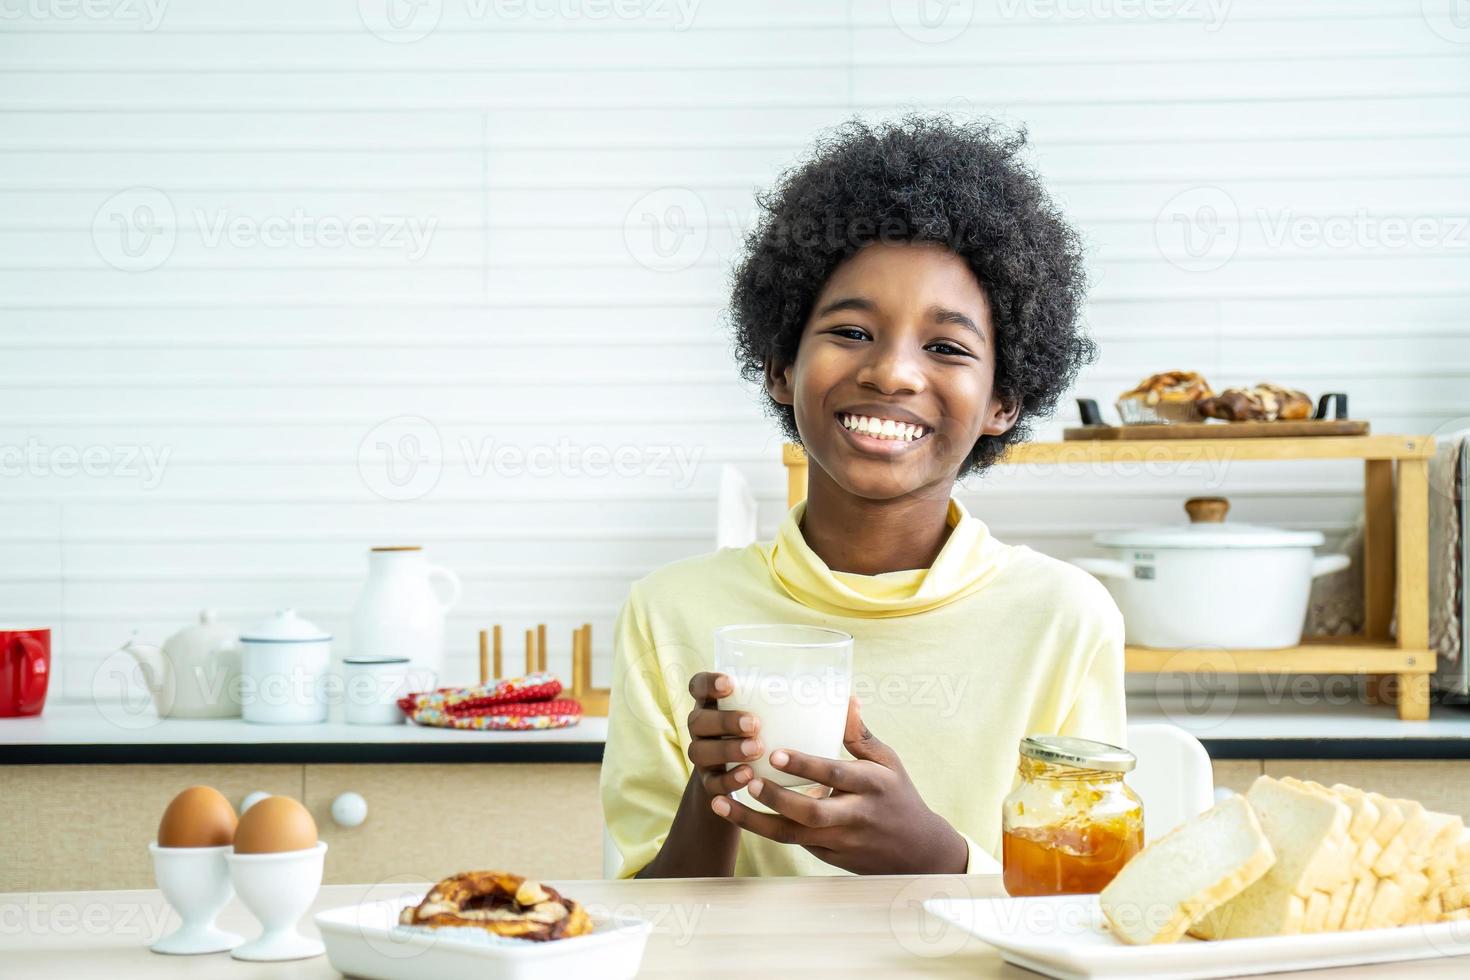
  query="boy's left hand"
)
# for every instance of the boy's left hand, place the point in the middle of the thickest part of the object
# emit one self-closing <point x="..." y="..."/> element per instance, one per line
<point x="874" y="822"/>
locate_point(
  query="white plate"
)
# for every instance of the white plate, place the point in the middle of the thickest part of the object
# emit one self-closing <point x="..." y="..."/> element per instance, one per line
<point x="365" y="941"/>
<point x="1066" y="936"/>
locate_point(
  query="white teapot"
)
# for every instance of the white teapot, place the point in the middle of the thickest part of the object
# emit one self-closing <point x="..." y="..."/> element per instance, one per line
<point x="196" y="674"/>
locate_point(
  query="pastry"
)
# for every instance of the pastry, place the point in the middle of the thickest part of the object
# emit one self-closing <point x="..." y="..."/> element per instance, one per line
<point x="1167" y="397"/>
<point x="1261" y="403"/>
<point x="501" y="903"/>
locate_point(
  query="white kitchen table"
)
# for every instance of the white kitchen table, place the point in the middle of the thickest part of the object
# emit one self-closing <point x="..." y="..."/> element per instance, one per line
<point x="756" y="927"/>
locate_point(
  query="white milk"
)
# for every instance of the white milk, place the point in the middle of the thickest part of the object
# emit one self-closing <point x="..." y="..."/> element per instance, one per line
<point x="806" y="712"/>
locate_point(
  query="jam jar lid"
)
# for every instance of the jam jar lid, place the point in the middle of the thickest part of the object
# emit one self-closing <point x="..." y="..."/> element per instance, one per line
<point x="1083" y="753"/>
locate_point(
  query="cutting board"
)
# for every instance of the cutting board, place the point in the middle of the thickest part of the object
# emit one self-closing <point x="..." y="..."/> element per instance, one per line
<point x="1219" y="430"/>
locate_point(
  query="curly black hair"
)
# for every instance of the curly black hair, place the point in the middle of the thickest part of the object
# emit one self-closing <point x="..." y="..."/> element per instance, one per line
<point x="921" y="178"/>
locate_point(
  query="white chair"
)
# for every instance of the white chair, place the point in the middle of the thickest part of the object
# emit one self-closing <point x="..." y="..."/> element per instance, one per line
<point x="1173" y="777"/>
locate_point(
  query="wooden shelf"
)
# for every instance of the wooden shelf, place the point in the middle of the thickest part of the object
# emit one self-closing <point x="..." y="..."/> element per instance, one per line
<point x="1188" y="450"/>
<point x="1395" y="554"/>
<point x="1351" y="657"/>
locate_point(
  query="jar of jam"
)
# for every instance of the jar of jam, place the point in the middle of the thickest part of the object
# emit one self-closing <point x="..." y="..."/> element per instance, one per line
<point x="1071" y="823"/>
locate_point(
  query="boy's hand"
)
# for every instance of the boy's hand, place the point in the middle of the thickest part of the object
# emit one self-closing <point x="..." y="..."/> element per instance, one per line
<point x="717" y="737"/>
<point x="874" y="822"/>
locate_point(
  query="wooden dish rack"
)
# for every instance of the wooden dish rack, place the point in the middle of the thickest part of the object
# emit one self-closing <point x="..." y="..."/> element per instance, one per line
<point x="1395" y="555"/>
<point x="592" y="699"/>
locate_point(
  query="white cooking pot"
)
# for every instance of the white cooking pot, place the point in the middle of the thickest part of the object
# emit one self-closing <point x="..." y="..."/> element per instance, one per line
<point x="1212" y="584"/>
<point x="284" y="671"/>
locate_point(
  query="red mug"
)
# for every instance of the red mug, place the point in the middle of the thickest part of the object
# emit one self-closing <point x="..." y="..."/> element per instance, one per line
<point x="25" y="670"/>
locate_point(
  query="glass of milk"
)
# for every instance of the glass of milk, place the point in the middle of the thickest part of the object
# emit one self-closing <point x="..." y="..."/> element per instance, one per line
<point x="796" y="679"/>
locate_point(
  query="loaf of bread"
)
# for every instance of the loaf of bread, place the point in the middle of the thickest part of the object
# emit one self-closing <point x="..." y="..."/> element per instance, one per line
<point x="1167" y="397"/>
<point x="1261" y="403"/>
<point x="1341" y="859"/>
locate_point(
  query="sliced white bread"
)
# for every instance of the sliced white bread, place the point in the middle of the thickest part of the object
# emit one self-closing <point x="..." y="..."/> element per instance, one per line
<point x="1380" y="825"/>
<point x="1392" y="819"/>
<point x="1186" y="873"/>
<point x="1363" y="848"/>
<point x="1337" y="909"/>
<point x="1438" y="866"/>
<point x="1408" y="844"/>
<point x="1308" y="831"/>
<point x="1314" y="918"/>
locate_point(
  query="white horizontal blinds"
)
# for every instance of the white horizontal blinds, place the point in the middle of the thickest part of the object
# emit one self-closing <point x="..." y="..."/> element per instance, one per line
<point x="281" y="283"/>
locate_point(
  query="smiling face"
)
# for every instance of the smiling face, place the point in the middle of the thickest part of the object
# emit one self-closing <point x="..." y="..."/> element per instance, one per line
<point x="893" y="379"/>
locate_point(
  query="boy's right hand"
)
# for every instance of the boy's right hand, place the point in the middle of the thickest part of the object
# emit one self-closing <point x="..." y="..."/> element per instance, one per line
<point x="718" y="737"/>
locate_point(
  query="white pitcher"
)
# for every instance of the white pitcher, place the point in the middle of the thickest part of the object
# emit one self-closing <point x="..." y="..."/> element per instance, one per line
<point x="400" y="613"/>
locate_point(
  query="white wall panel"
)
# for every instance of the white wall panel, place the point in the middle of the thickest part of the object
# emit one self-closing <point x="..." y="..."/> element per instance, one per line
<point x="499" y="159"/>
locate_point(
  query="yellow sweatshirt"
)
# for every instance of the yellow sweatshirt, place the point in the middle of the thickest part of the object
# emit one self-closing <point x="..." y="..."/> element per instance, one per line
<point x="954" y="664"/>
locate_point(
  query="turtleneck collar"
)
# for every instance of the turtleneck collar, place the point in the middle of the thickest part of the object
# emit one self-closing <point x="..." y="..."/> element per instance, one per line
<point x="970" y="558"/>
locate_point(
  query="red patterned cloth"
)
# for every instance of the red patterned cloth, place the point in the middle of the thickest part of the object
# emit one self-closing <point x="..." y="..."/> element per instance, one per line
<point x="515" y="704"/>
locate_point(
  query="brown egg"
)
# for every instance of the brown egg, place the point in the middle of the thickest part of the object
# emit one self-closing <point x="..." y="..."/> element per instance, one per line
<point x="276" y="823"/>
<point x="200" y="816"/>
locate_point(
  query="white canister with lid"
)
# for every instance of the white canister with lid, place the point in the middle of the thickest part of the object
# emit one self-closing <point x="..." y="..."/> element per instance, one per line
<point x="284" y="668"/>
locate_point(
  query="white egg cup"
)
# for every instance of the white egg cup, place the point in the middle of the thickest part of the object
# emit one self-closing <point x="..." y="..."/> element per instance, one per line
<point x="278" y="889"/>
<point x="196" y="882"/>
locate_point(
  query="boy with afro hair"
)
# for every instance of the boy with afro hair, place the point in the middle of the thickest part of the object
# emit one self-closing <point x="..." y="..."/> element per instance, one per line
<point x="909" y="303"/>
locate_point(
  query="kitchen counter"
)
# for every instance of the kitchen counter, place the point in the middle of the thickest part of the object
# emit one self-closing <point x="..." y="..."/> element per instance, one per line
<point x="86" y="732"/>
<point x="1251" y="727"/>
<point x="835" y="926"/>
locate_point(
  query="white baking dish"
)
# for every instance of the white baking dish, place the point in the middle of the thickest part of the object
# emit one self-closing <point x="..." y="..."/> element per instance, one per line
<point x="1212" y="584"/>
<point x="364" y="941"/>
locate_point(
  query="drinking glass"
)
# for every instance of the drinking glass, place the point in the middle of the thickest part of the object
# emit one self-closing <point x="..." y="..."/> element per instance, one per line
<point x="796" y="679"/>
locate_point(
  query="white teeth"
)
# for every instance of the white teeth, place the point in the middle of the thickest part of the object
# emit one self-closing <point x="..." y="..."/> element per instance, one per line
<point x="883" y="428"/>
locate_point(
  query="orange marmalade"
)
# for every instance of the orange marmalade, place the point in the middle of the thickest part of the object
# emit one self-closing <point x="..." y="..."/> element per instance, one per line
<point x="1071" y="823"/>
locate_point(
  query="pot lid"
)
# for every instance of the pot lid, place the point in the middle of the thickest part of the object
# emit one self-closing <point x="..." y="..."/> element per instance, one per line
<point x="1209" y="536"/>
<point x="285" y="627"/>
<point x="1208" y="529"/>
